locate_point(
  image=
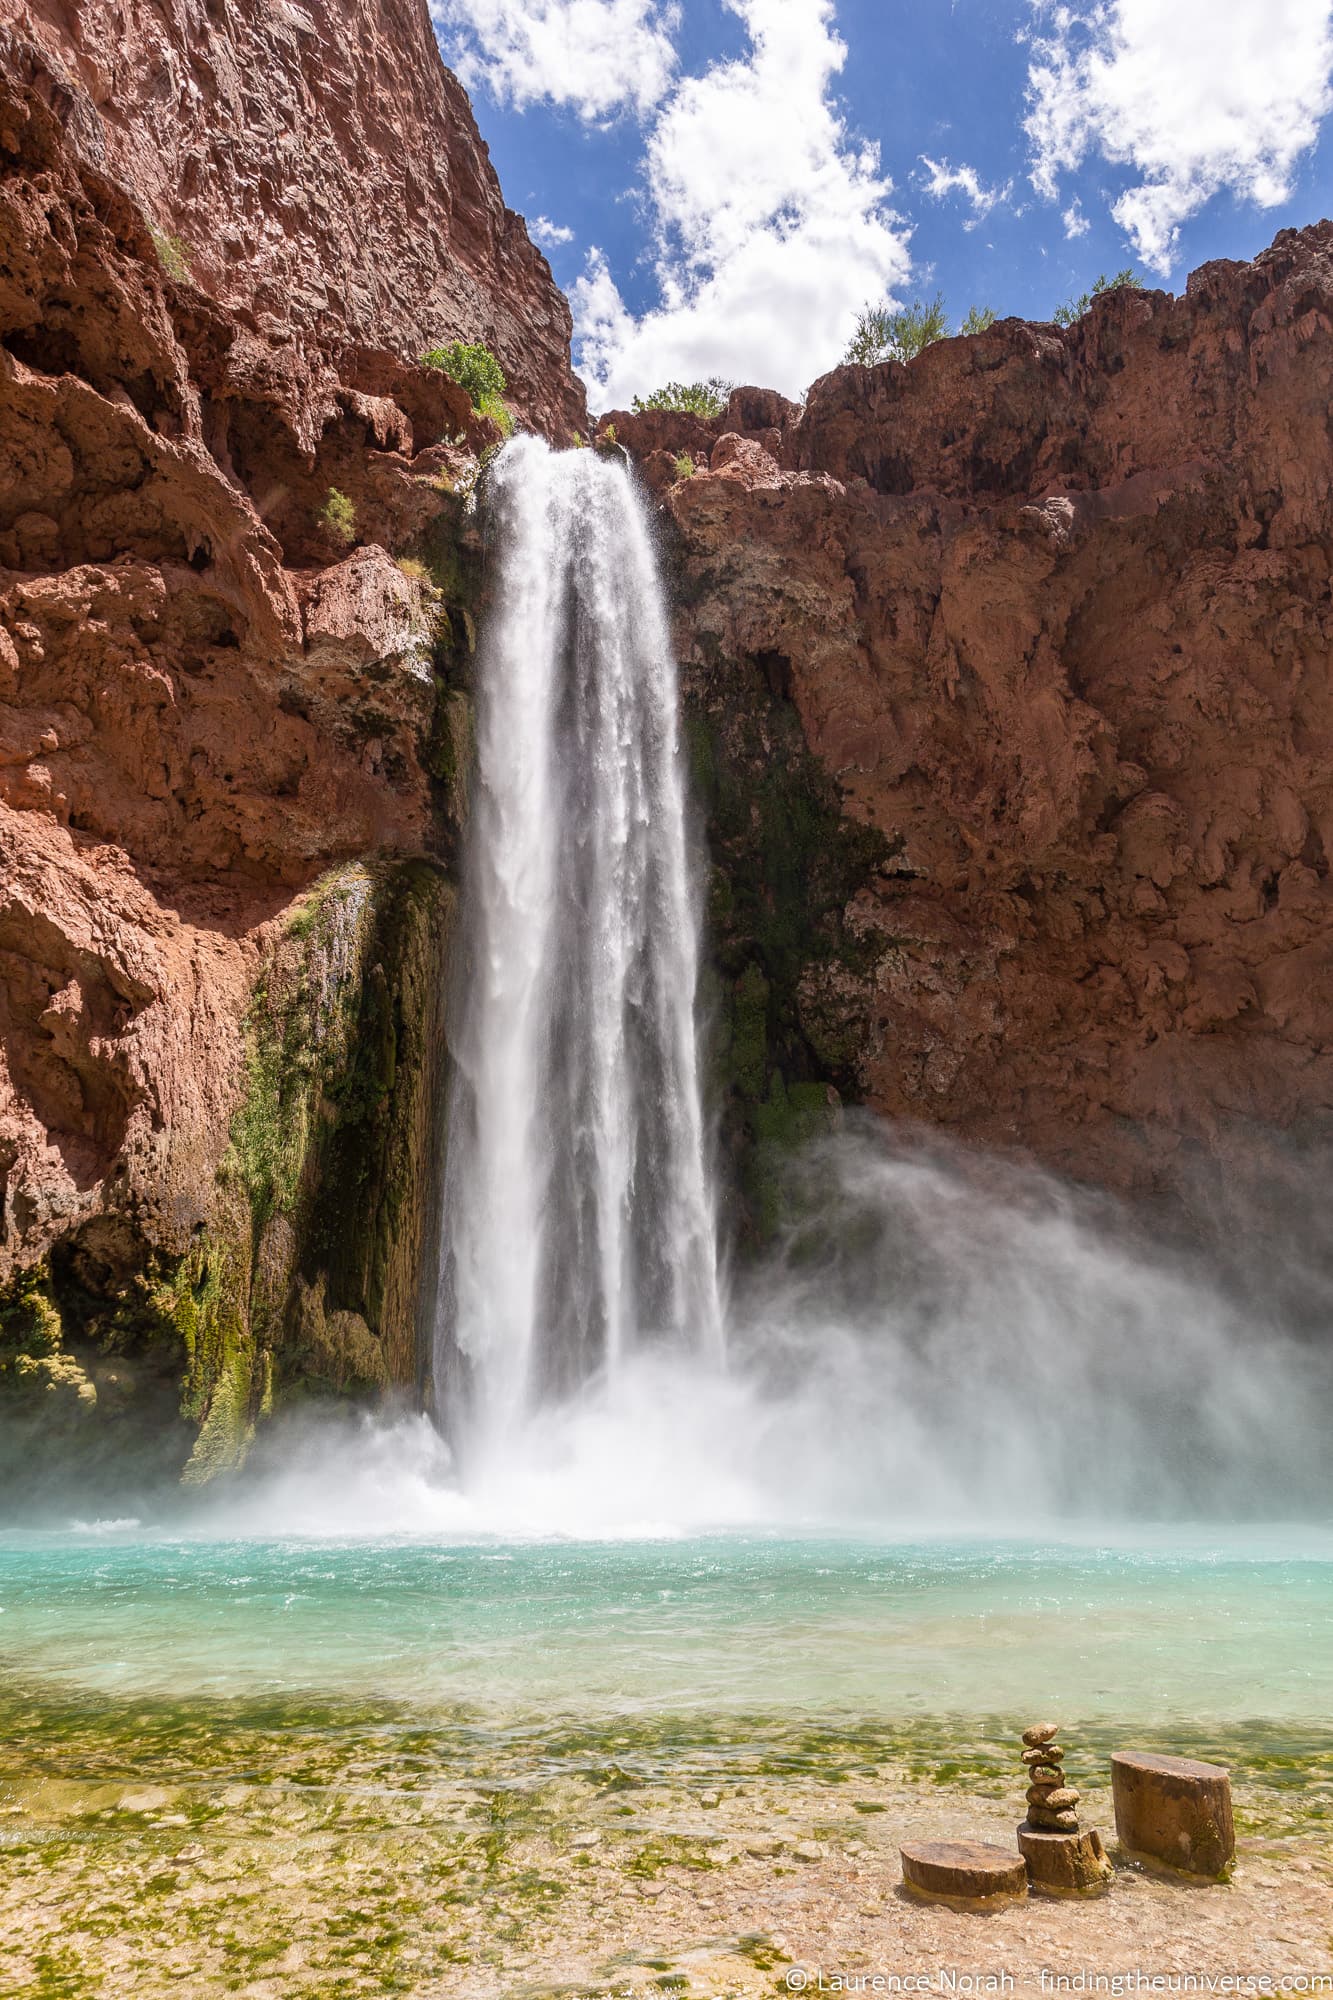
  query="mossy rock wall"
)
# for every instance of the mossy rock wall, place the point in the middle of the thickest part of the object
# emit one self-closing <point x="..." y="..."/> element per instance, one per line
<point x="332" y="1148"/>
<point x="784" y="864"/>
<point x="304" y="1281"/>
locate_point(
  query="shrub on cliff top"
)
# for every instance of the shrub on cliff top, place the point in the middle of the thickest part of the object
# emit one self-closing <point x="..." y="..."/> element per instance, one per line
<point x="695" y="399"/>
<point x="882" y="335"/>
<point x="1126" y="280"/>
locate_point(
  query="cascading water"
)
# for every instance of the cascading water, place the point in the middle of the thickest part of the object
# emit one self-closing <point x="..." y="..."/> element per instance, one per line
<point x="577" y="1219"/>
<point x="881" y="1356"/>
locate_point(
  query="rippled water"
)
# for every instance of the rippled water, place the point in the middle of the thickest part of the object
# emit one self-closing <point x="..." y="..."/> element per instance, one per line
<point x="1205" y="1628"/>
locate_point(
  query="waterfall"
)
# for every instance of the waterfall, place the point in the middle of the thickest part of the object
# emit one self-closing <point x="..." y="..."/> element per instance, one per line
<point x="577" y="1221"/>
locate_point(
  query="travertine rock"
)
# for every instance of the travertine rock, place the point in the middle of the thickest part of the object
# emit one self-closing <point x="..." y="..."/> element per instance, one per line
<point x="316" y="171"/>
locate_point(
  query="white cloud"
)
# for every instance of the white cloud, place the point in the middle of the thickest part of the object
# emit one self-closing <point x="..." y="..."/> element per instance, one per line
<point x="598" y="56"/>
<point x="1195" y="96"/>
<point x="1075" y="221"/>
<point x="941" y="180"/>
<point x="550" y="234"/>
<point x="769" y="220"/>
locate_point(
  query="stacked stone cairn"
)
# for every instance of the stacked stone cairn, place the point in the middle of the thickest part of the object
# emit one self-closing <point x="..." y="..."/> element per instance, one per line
<point x="1052" y="1804"/>
<point x="1061" y="1859"/>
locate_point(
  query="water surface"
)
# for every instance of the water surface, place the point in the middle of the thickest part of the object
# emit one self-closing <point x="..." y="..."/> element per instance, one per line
<point x="1209" y="1628"/>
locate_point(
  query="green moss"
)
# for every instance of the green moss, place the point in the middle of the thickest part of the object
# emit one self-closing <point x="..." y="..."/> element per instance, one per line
<point x="448" y="757"/>
<point x="365" y="1231"/>
<point x="37" y="1374"/>
<point x="304" y="1279"/>
<point x="793" y="1114"/>
<point x="223" y="1388"/>
<point x="749" y="1032"/>
<point x="786" y="863"/>
<point x="29" y="1319"/>
<point x="173" y="254"/>
<point x="297" y="1040"/>
<point x="338" y="517"/>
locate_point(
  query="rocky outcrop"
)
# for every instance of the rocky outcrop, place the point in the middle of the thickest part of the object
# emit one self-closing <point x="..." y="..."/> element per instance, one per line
<point x="237" y="578"/>
<point x="314" y="170"/>
<point x="1050" y="610"/>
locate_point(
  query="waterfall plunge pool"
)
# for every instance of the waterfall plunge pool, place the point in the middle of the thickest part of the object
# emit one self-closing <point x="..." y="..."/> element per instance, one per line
<point x="1202" y="1628"/>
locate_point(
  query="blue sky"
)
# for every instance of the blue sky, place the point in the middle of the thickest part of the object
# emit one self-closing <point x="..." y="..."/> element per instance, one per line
<point x="720" y="184"/>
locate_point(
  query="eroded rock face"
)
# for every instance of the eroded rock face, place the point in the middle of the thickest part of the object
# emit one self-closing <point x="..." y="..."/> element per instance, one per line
<point x="313" y="167"/>
<point x="236" y="584"/>
<point x="1053" y="610"/>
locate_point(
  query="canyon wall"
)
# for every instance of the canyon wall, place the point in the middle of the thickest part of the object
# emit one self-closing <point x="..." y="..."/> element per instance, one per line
<point x="238" y="577"/>
<point x="1007" y="696"/>
<point x="316" y="171"/>
<point x="1010" y="671"/>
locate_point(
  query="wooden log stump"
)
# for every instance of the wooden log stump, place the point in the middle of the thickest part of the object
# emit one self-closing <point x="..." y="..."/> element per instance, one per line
<point x="966" y="1874"/>
<point x="1174" y="1813"/>
<point x="1064" y="1864"/>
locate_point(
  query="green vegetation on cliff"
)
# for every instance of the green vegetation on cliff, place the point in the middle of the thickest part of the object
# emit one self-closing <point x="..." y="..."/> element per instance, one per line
<point x="696" y="399"/>
<point x="472" y="365"/>
<point x="882" y="334"/>
<point x="332" y="1142"/>
<point x="784" y="864"/>
<point x="1070" y="313"/>
<point x="303" y="1281"/>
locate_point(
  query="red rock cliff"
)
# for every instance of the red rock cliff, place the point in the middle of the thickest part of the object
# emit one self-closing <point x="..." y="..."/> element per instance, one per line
<point x="1053" y="610"/>
<point x="313" y="166"/>
<point x="235" y="620"/>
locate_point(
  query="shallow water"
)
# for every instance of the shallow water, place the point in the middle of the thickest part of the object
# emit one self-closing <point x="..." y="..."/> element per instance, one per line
<point x="1203" y="1628"/>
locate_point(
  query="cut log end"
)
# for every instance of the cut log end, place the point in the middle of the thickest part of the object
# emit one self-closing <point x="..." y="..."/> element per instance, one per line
<point x="967" y="1874"/>
<point x="1064" y="1864"/>
<point x="1174" y="1812"/>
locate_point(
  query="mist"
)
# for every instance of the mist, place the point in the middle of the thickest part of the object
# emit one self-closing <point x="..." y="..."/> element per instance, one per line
<point x="939" y="1341"/>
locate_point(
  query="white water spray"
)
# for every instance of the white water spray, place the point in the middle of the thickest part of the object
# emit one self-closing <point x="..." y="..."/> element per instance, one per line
<point x="577" y="1220"/>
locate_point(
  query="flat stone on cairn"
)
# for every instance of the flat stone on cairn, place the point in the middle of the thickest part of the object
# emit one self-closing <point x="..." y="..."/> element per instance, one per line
<point x="1174" y="1812"/>
<point x="1061" y="1859"/>
<point x="966" y="1874"/>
